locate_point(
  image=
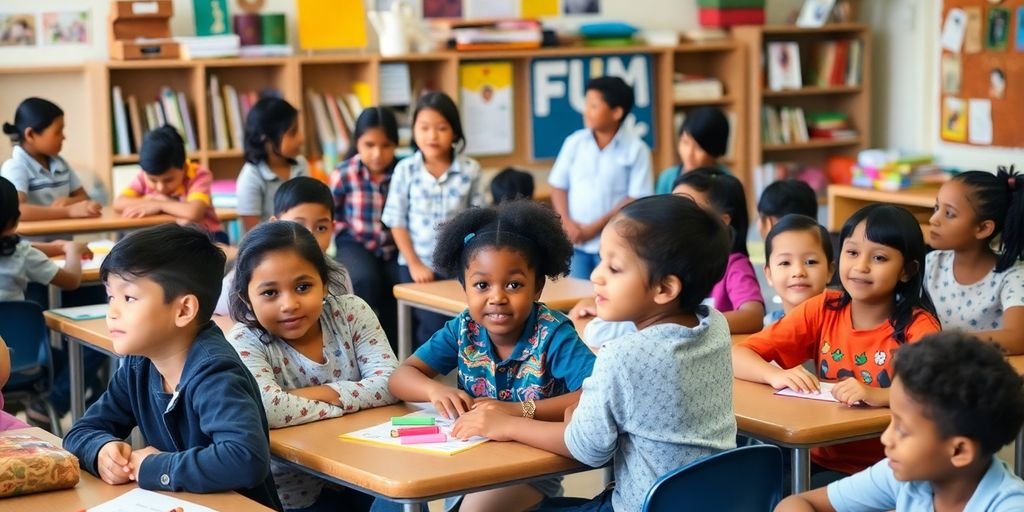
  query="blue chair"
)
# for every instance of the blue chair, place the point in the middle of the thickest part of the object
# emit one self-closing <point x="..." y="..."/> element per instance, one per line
<point x="710" y="483"/>
<point x="24" y="331"/>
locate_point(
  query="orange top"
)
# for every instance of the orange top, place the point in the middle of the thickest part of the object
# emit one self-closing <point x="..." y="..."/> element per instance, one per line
<point x="813" y="331"/>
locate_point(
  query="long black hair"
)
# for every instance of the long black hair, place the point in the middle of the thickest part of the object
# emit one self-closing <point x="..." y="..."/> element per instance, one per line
<point x="894" y="227"/>
<point x="35" y="113"/>
<point x="726" y="195"/>
<point x="999" y="197"/>
<point x="376" y="117"/>
<point x="268" y="120"/>
<point x="442" y="104"/>
<point x="9" y="215"/>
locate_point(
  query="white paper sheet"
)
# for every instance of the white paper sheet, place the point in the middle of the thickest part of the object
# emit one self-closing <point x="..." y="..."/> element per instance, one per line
<point x="140" y="500"/>
<point x="83" y="312"/>
<point x="824" y="394"/>
<point x="979" y="125"/>
<point x="381" y="434"/>
<point x="953" y="30"/>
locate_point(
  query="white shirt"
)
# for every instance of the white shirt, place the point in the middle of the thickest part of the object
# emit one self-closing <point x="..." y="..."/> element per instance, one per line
<point x="40" y="185"/>
<point x="26" y="265"/>
<point x="972" y="307"/>
<point x="257" y="185"/>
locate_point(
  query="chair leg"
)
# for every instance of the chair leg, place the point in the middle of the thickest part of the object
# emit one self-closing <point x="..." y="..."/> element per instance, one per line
<point x="54" y="420"/>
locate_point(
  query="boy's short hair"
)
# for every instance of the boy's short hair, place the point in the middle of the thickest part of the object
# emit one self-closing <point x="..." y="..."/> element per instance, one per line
<point x="709" y="128"/>
<point x="511" y="184"/>
<point x="302" y="190"/>
<point x="788" y="196"/>
<point x="672" y="251"/>
<point x="615" y="92"/>
<point x="162" y="149"/>
<point x="966" y="387"/>
<point x="182" y="260"/>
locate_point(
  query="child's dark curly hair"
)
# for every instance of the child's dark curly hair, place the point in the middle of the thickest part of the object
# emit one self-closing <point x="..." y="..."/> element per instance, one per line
<point x="523" y="226"/>
<point x="965" y="386"/>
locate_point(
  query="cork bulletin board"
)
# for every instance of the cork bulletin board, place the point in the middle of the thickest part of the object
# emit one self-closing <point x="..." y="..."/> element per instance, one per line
<point x="981" y="99"/>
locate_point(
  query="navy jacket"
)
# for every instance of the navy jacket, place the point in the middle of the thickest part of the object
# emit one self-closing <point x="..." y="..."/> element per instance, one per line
<point x="212" y="431"/>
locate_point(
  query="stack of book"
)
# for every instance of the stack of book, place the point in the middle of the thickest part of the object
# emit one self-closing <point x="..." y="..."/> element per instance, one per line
<point x="692" y="87"/>
<point x="334" y="120"/>
<point x="498" y="35"/>
<point x="228" y="109"/>
<point x="133" y="119"/>
<point x="830" y="125"/>
<point x="838" y="63"/>
<point x="209" y="47"/>
<point x="783" y="125"/>
<point x="882" y="171"/>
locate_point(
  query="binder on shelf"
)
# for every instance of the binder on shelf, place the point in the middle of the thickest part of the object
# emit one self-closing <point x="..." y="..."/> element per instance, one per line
<point x="121" y="143"/>
<point x="186" y="119"/>
<point x="234" y="116"/>
<point x="218" y="121"/>
<point x="137" y="129"/>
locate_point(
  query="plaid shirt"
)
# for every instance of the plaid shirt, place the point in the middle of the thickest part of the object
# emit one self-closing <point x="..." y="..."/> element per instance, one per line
<point x="358" y="205"/>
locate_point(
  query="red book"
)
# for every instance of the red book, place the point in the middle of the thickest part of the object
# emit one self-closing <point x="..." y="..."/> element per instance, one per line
<point x="710" y="17"/>
<point x="839" y="68"/>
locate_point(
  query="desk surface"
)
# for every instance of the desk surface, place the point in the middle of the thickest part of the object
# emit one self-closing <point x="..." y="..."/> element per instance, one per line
<point x="403" y="473"/>
<point x="109" y="221"/>
<point x="449" y="296"/>
<point x="923" y="196"/>
<point x="91" y="491"/>
<point x="92" y="332"/>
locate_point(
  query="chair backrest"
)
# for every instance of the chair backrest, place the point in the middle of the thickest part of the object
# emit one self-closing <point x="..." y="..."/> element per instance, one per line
<point x="747" y="479"/>
<point x="24" y="331"/>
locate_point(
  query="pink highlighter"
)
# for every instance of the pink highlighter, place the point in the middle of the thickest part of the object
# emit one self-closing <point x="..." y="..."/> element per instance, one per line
<point x="423" y="438"/>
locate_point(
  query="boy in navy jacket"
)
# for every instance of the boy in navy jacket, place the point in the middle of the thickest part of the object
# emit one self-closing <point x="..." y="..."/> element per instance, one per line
<point x="197" y="406"/>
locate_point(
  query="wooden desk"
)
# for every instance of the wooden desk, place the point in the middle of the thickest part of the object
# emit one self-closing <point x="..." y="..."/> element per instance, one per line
<point x="92" y="491"/>
<point x="109" y="221"/>
<point x="93" y="333"/>
<point x="844" y="200"/>
<point x="448" y="298"/>
<point x="403" y="475"/>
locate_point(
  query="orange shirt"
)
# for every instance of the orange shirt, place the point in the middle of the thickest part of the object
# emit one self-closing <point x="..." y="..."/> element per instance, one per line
<point x="813" y="331"/>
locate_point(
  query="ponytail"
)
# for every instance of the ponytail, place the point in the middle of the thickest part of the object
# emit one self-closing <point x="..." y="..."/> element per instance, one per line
<point x="999" y="198"/>
<point x="35" y="113"/>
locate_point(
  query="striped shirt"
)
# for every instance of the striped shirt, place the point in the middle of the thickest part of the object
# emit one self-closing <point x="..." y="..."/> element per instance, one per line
<point x="358" y="205"/>
<point x="419" y="202"/>
<point x="194" y="187"/>
<point x="41" y="186"/>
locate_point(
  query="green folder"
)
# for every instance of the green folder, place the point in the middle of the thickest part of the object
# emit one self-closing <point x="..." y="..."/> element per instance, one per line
<point x="212" y="17"/>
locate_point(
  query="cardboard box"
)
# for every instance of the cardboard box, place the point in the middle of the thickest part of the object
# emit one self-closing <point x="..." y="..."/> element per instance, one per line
<point x="141" y="29"/>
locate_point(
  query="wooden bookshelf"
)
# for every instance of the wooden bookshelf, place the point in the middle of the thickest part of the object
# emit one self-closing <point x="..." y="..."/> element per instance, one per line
<point x="853" y="100"/>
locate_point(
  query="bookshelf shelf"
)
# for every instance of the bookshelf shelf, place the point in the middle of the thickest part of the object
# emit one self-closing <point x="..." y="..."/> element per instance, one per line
<point x="228" y="153"/>
<point x="828" y="29"/>
<point x="724" y="100"/>
<point x="813" y="144"/>
<point x="125" y="159"/>
<point x="812" y="91"/>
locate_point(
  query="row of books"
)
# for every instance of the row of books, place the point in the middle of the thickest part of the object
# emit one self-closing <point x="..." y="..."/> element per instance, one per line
<point x="229" y="108"/>
<point x="693" y="87"/>
<point x="770" y="172"/>
<point x="133" y="119"/>
<point x="790" y="125"/>
<point x="835" y="63"/>
<point x="334" y="119"/>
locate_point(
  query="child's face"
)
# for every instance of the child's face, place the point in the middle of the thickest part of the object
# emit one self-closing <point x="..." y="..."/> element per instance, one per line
<point x="916" y="449"/>
<point x="139" y="318"/>
<point x="597" y="115"/>
<point x="953" y="225"/>
<point x="620" y="280"/>
<point x="291" y="141"/>
<point x="797" y="268"/>
<point x="50" y="141"/>
<point x="691" y="154"/>
<point x="316" y="218"/>
<point x="375" y="150"/>
<point x="433" y="135"/>
<point x="167" y="183"/>
<point x="869" y="270"/>
<point x="501" y="289"/>
<point x="286" y="294"/>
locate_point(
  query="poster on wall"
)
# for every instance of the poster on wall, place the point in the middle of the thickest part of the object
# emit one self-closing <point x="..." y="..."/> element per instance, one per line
<point x="954" y="120"/>
<point x="570" y="7"/>
<point x="486" y="104"/>
<point x="558" y="88"/>
<point x="65" y="27"/>
<point x="18" y="29"/>
<point x="442" y="8"/>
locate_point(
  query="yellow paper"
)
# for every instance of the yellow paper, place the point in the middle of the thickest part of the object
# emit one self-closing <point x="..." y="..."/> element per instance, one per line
<point x="327" y="24"/>
<point x="539" y="8"/>
<point x="475" y="76"/>
<point x="954" y="120"/>
<point x="362" y="91"/>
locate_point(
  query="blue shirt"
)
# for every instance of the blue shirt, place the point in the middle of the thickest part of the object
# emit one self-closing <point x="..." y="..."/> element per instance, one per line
<point x="598" y="179"/>
<point x="548" y="360"/>
<point x="41" y="185"/>
<point x="419" y="202"/>
<point x="876" y="488"/>
<point x="212" y="432"/>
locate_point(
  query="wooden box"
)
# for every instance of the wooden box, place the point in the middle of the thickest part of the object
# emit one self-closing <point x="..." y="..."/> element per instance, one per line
<point x="150" y="20"/>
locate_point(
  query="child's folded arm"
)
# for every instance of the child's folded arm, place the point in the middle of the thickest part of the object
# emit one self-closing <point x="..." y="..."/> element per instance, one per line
<point x="109" y="419"/>
<point x="376" y="362"/>
<point x="238" y="456"/>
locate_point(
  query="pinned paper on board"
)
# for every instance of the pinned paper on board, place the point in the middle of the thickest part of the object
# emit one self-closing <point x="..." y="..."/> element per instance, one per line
<point x="492" y="9"/>
<point x="998" y="28"/>
<point x="980" y="124"/>
<point x="954" y="120"/>
<point x="973" y="33"/>
<point x="953" y="30"/>
<point x="951" y="73"/>
<point x="331" y="24"/>
<point x="1019" y="30"/>
<point x="996" y="84"/>
<point x="538" y="8"/>
<point x="486" y="100"/>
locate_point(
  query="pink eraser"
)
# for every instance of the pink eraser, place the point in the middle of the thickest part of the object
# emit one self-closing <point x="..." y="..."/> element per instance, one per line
<point x="425" y="438"/>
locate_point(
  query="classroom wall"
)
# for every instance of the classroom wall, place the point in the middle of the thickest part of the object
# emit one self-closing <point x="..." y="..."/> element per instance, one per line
<point x="906" y="86"/>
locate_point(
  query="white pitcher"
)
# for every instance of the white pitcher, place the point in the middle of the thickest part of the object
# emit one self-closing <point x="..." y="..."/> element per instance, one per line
<point x="393" y="28"/>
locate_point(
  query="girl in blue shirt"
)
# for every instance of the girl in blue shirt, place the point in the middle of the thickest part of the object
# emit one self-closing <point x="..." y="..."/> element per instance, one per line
<point x="513" y="354"/>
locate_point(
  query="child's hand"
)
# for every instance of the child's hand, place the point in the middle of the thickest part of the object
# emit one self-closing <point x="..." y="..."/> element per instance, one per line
<point x="420" y="272"/>
<point x="450" y="402"/>
<point x="852" y="392"/>
<point x="76" y="250"/>
<point x="136" y="460"/>
<point x="572" y="230"/>
<point x="142" y="210"/>
<point x="61" y="202"/>
<point x="588" y="232"/>
<point x="586" y="308"/>
<point x="84" y="209"/>
<point x="113" y="463"/>
<point x="486" y="422"/>
<point x="490" y="404"/>
<point x="795" y="378"/>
